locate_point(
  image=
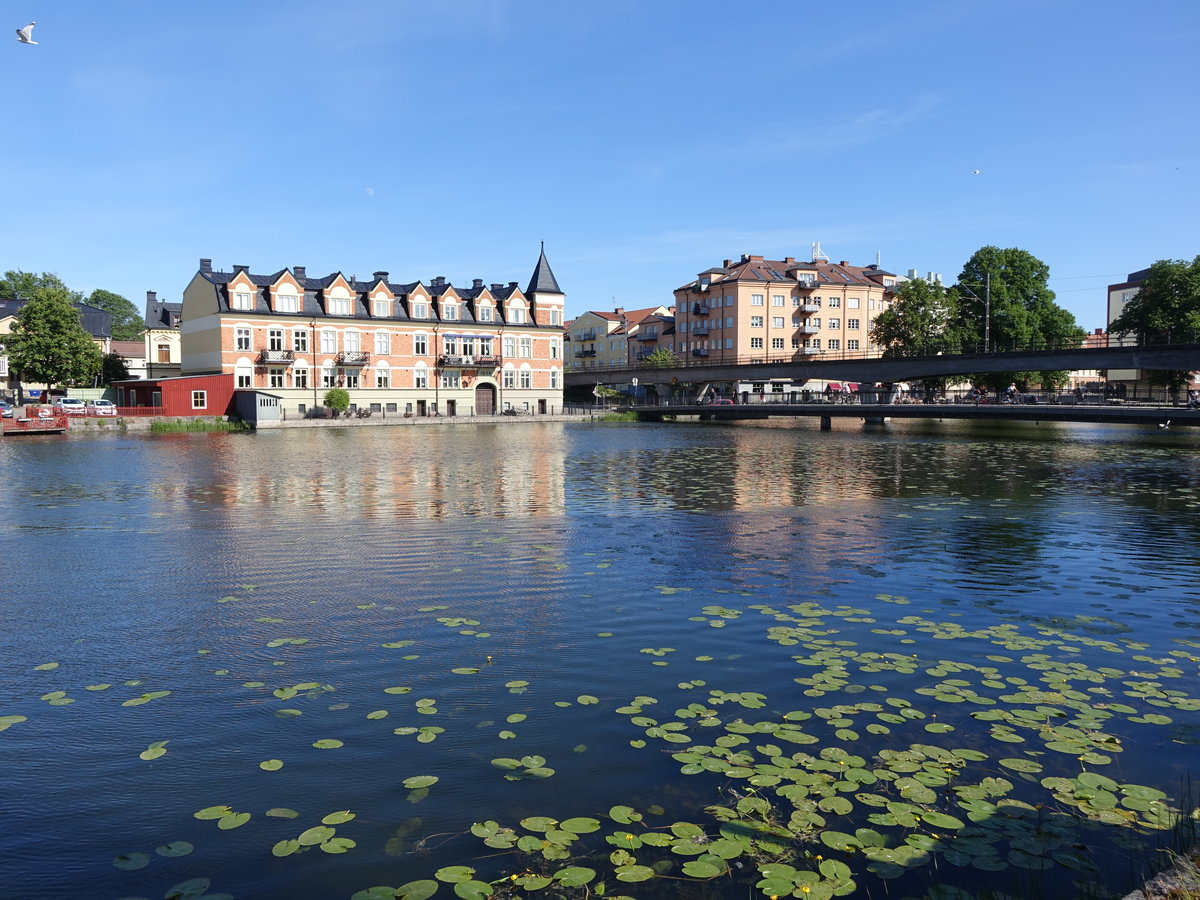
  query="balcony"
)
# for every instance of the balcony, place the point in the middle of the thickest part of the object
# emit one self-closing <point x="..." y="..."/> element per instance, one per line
<point x="699" y="329"/>
<point x="700" y="309"/>
<point x="646" y="337"/>
<point x="589" y="335"/>
<point x="809" y="329"/>
<point x="808" y="351"/>
<point x="810" y="306"/>
<point x="700" y="351"/>
<point x="450" y="361"/>
<point x="579" y="353"/>
<point x="808" y="284"/>
<point x="277" y="357"/>
<point x="354" y="358"/>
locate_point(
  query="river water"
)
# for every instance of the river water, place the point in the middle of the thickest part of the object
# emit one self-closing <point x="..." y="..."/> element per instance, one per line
<point x="951" y="658"/>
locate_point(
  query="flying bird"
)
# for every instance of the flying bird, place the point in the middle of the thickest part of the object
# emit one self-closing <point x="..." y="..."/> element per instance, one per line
<point x="1166" y="424"/>
<point x="25" y="35"/>
<point x="974" y="171"/>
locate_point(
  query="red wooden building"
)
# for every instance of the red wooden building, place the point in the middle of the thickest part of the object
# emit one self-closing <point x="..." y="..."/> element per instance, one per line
<point x="190" y="395"/>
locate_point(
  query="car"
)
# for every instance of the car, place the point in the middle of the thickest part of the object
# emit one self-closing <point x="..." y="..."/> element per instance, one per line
<point x="720" y="401"/>
<point x="72" y="406"/>
<point x="101" y="408"/>
<point x="6" y="410"/>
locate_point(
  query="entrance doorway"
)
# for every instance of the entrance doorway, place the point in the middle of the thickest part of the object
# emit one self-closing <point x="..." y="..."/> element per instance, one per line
<point x="485" y="399"/>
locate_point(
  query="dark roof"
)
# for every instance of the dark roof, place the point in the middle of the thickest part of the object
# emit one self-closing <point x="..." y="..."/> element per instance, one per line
<point x="756" y="268"/>
<point x="543" y="278"/>
<point x="161" y="314"/>
<point x="96" y="322"/>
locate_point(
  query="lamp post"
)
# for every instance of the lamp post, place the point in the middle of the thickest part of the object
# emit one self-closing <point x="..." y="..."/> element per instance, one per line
<point x="312" y="336"/>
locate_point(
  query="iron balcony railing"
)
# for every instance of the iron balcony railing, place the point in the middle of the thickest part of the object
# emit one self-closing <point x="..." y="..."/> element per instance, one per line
<point x="354" y="358"/>
<point x="277" y="357"/>
<point x="700" y="309"/>
<point x="452" y="361"/>
<point x="579" y="353"/>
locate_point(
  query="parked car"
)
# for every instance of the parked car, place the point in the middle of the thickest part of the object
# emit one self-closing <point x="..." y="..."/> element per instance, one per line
<point x="720" y="401"/>
<point x="6" y="410"/>
<point x="101" y="408"/>
<point x="72" y="406"/>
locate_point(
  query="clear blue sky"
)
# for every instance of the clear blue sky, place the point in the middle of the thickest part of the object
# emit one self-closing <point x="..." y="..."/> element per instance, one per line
<point x="642" y="141"/>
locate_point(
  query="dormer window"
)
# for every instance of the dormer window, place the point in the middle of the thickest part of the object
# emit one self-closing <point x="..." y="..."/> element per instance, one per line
<point x="287" y="303"/>
<point x="382" y="308"/>
<point x="337" y="304"/>
<point x="450" y="311"/>
<point x="420" y="310"/>
<point x="485" y="314"/>
<point x="516" y="315"/>
<point x="241" y="300"/>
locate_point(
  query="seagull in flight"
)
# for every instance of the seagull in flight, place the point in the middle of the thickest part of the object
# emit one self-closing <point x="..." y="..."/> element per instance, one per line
<point x="1166" y="424"/>
<point x="974" y="171"/>
<point x="25" y="35"/>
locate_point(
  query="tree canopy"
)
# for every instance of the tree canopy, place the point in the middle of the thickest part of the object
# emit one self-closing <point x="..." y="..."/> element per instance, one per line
<point x="18" y="285"/>
<point x="127" y="322"/>
<point x="1168" y="305"/>
<point x="48" y="343"/>
<point x="661" y="358"/>
<point x="922" y="320"/>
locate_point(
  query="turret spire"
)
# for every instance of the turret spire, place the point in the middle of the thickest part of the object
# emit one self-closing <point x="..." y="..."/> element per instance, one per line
<point x="543" y="280"/>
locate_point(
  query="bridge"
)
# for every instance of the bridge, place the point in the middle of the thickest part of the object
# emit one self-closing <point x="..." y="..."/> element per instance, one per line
<point x="1153" y="415"/>
<point x="856" y="366"/>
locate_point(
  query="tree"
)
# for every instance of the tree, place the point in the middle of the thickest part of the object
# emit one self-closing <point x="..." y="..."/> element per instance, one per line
<point x="113" y="368"/>
<point x="1168" y="305"/>
<point x="661" y="358"/>
<point x="48" y="343"/>
<point x="18" y="285"/>
<point x="922" y="321"/>
<point x="1022" y="311"/>
<point x="337" y="399"/>
<point x="127" y="322"/>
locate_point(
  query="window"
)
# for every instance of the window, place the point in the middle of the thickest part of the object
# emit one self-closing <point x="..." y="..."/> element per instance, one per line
<point x="835" y="323"/>
<point x="485" y="347"/>
<point x="756" y="343"/>
<point x="450" y="379"/>
<point x="729" y="301"/>
<point x="383" y="378"/>
<point x="777" y="300"/>
<point x="450" y="311"/>
<point x="510" y="378"/>
<point x="728" y="322"/>
<point x="852" y="324"/>
<point x="420" y="310"/>
<point x="329" y="341"/>
<point x="852" y="302"/>
<point x="555" y="316"/>
<point x="776" y="343"/>
<point x="420" y="345"/>
<point x="300" y="378"/>
<point x="796" y="301"/>
<point x="275" y="339"/>
<point x="852" y="345"/>
<point x="243" y="376"/>
<point x="526" y="348"/>
<point x="420" y="378"/>
<point x="776" y="321"/>
<point x="287" y="303"/>
<point x="300" y="341"/>
<point x="510" y="347"/>
<point x="338" y="306"/>
<point x="526" y="378"/>
<point x="199" y="399"/>
<point x="485" y="314"/>
<point x="328" y="378"/>
<point x="835" y="302"/>
<point x="241" y="339"/>
<point x="516" y="315"/>
<point x="554" y="351"/>
<point x="164" y="353"/>
<point x="352" y="341"/>
<point x="383" y="307"/>
<point x="756" y="299"/>
<point x="835" y="344"/>
<point x="554" y="379"/>
<point x="795" y="343"/>
<point x="275" y="378"/>
<point x="797" y="322"/>
<point x="241" y="300"/>
<point x="383" y="343"/>
<point x="349" y="376"/>
<point x="728" y="343"/>
<point x="756" y="321"/>
<point x="815" y="322"/>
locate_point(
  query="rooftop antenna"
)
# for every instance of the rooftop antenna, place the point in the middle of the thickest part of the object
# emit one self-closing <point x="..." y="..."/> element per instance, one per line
<point x="878" y="253"/>
<point x="817" y="253"/>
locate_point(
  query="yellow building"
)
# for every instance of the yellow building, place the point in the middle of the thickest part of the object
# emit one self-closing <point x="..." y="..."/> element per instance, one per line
<point x="759" y="310"/>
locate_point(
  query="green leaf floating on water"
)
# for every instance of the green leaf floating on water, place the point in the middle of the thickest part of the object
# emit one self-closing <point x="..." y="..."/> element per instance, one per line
<point x="191" y="889"/>
<point x="154" y="751"/>
<point x="420" y="781"/>
<point x="271" y="765"/>
<point x="328" y="744"/>
<point x="131" y="862"/>
<point x="9" y="721"/>
<point x="174" y="849"/>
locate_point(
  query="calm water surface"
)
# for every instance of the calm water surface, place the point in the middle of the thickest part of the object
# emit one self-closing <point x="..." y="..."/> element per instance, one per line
<point x="565" y="571"/>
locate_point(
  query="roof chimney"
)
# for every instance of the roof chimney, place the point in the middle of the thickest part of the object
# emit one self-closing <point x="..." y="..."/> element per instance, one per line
<point x="844" y="263"/>
<point x="512" y="284"/>
<point x="151" y="296"/>
<point x="206" y="266"/>
<point x="381" y="276"/>
<point x="298" y="272"/>
<point x="245" y="269"/>
<point x="476" y="282"/>
<point x="620" y="311"/>
<point x="788" y="260"/>
<point x="496" y="287"/>
<point x="726" y="264"/>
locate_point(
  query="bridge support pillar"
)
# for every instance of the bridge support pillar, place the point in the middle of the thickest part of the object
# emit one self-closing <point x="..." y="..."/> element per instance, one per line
<point x="875" y="420"/>
<point x="826" y="423"/>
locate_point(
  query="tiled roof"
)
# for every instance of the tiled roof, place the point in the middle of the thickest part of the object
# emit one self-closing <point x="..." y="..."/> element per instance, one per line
<point x="756" y="268"/>
<point x="96" y="322"/>
<point x="543" y="278"/>
<point x="129" y="349"/>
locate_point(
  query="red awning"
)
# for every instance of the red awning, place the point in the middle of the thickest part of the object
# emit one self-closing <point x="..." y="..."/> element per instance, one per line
<point x="835" y="386"/>
<point x="853" y="385"/>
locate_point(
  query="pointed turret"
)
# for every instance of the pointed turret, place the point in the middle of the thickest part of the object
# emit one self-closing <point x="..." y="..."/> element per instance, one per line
<point x="543" y="279"/>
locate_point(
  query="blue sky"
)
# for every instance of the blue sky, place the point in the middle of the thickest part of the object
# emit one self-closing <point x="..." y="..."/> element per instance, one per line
<point x="642" y="141"/>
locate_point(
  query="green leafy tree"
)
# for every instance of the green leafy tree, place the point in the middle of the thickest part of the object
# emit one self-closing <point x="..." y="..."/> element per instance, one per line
<point x="127" y="322"/>
<point x="18" y="285"/>
<point x="661" y="358"/>
<point x="922" y="321"/>
<point x="113" y="368"/>
<point x="1023" y="312"/>
<point x="48" y="343"/>
<point x="337" y="399"/>
<point x="1167" y="308"/>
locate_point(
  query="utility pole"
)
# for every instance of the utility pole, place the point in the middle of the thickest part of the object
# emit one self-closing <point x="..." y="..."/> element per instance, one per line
<point x="987" y="314"/>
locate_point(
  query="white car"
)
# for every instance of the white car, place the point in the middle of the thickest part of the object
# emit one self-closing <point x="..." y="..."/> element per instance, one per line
<point x="101" y="408"/>
<point x="72" y="406"/>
